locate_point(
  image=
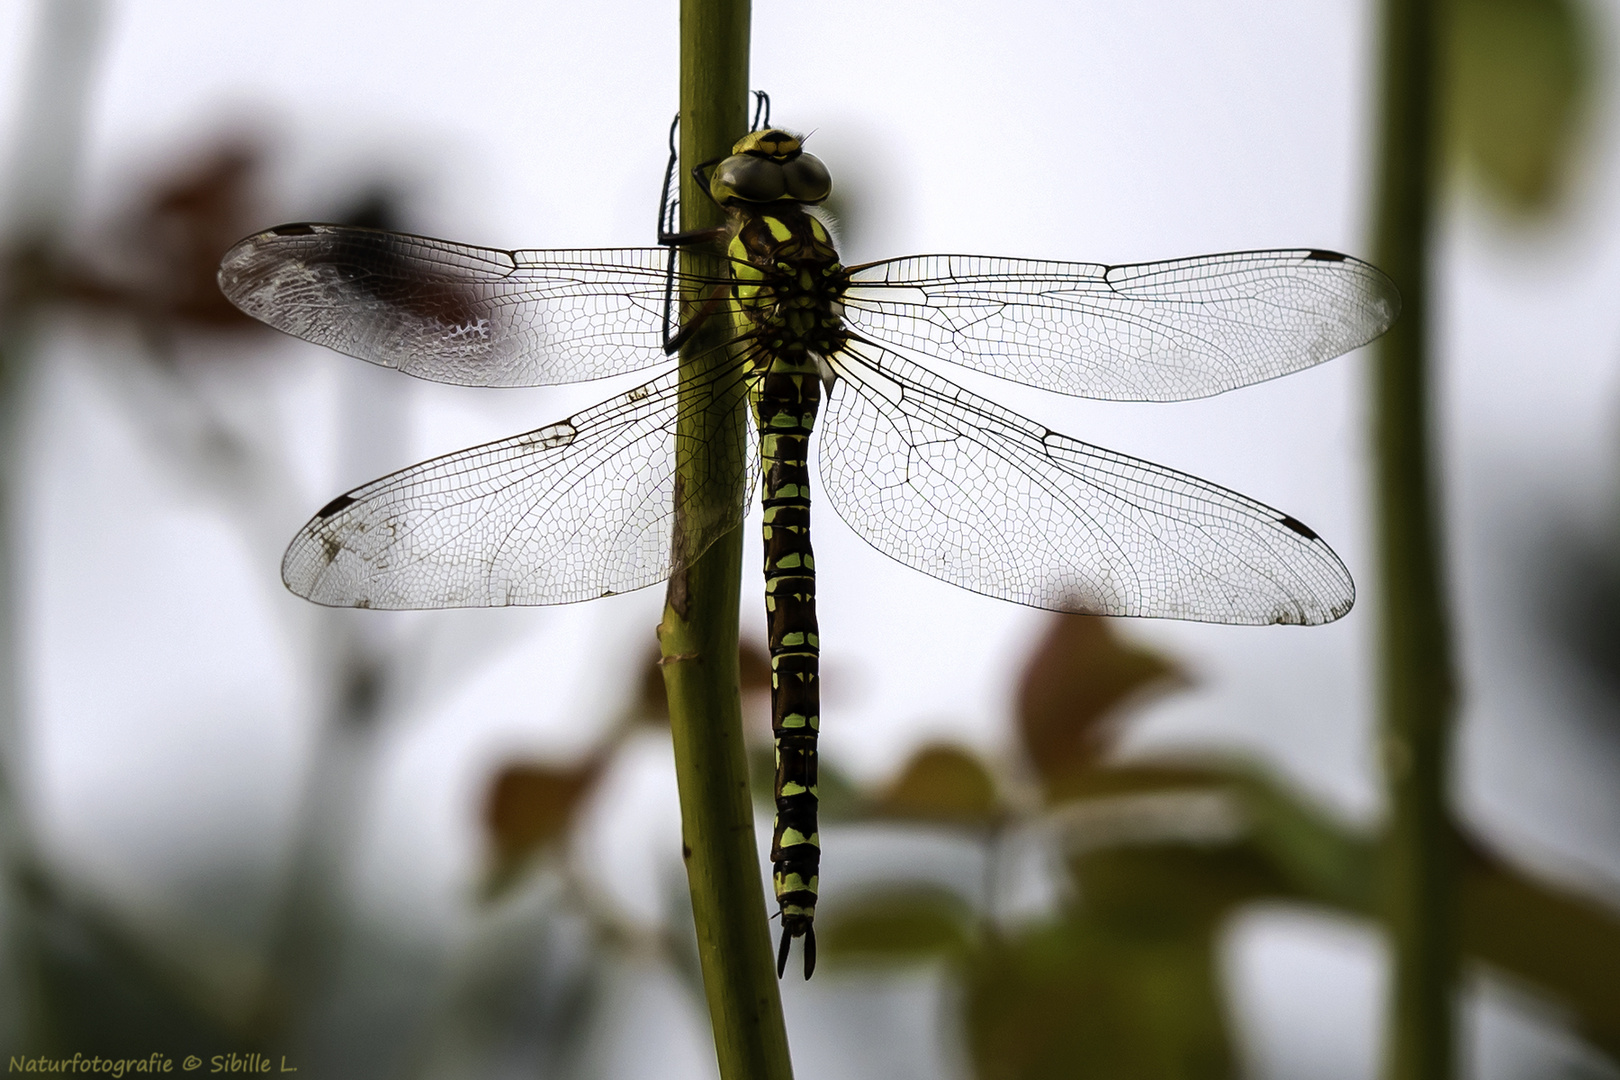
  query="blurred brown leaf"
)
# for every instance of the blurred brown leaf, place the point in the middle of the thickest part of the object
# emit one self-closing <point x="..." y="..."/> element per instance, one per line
<point x="753" y="668"/>
<point x="1073" y="692"/>
<point x="160" y="259"/>
<point x="652" y="702"/>
<point x="527" y="807"/>
<point x="753" y="676"/>
<point x="943" y="784"/>
<point x="1522" y="73"/>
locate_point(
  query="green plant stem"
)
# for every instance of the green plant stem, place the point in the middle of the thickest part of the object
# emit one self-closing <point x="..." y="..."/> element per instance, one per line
<point x="698" y="634"/>
<point x="1419" y="870"/>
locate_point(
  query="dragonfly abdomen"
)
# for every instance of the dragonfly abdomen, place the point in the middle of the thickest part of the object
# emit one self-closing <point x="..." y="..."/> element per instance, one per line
<point x="785" y="405"/>
<point x="789" y="288"/>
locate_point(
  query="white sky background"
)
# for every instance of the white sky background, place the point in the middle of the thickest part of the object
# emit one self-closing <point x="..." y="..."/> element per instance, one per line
<point x="171" y="725"/>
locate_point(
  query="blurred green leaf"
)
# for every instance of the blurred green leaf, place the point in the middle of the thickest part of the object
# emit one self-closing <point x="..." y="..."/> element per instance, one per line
<point x="1073" y="692"/>
<point x="1566" y="944"/>
<point x="1315" y="854"/>
<point x="1521" y="77"/>
<point x="1125" y="984"/>
<point x="838" y="797"/>
<point x="1122" y="983"/>
<point x="528" y="807"/>
<point x="96" y="987"/>
<point x="897" y="926"/>
<point x="944" y="784"/>
<point x="1142" y="778"/>
<point x="1163" y="891"/>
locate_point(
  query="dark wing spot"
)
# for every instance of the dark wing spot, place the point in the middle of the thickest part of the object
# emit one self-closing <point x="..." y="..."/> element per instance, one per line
<point x="1299" y="527"/>
<point x="1325" y="256"/>
<point x="557" y="435"/>
<point x="293" y="230"/>
<point x="377" y="208"/>
<point x="334" y="506"/>
<point x="386" y="267"/>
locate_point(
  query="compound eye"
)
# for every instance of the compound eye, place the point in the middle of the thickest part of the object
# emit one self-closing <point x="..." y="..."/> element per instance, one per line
<point x="752" y="179"/>
<point x="807" y="179"/>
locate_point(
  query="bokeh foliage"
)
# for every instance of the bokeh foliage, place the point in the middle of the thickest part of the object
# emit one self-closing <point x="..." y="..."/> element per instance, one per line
<point x="1521" y="82"/>
<point x="1121" y="979"/>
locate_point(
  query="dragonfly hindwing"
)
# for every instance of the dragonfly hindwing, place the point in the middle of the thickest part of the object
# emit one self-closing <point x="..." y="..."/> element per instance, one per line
<point x="572" y="511"/>
<point x="958" y="487"/>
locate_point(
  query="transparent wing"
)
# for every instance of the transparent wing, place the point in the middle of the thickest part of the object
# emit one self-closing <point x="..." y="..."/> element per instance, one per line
<point x="962" y="489"/>
<point x="577" y="510"/>
<point x="455" y="313"/>
<point x="1163" y="331"/>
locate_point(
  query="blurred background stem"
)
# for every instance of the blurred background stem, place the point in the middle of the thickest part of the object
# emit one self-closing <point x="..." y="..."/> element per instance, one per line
<point x="1417" y="696"/>
<point x="358" y="660"/>
<point x="41" y="182"/>
<point x="698" y="634"/>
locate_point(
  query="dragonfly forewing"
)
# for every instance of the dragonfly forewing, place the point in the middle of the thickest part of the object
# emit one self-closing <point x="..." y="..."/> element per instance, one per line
<point x="962" y="489"/>
<point x="572" y="511"/>
<point x="455" y="313"/>
<point x="1164" y="331"/>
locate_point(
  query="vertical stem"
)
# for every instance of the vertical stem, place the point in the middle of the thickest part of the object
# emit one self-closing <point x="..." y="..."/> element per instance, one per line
<point x="698" y="635"/>
<point x="1417" y="693"/>
<point x="351" y="652"/>
<point x="41" y="183"/>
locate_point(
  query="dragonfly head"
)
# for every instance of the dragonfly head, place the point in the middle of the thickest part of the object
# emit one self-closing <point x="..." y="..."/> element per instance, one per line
<point x="769" y="165"/>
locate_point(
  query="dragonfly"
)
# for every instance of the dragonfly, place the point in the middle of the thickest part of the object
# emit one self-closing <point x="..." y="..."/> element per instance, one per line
<point x="839" y="359"/>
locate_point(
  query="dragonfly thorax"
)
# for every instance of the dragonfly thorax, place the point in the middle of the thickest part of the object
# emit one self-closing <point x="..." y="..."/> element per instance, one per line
<point x="788" y="280"/>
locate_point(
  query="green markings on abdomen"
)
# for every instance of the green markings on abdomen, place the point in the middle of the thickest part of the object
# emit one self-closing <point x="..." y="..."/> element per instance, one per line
<point x="785" y="407"/>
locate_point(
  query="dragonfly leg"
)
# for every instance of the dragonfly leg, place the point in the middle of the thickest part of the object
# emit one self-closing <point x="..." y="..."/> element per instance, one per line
<point x="672" y="344"/>
<point x="669" y="202"/>
<point x="673" y="341"/>
<point x="693" y="237"/>
<point x="667" y="236"/>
